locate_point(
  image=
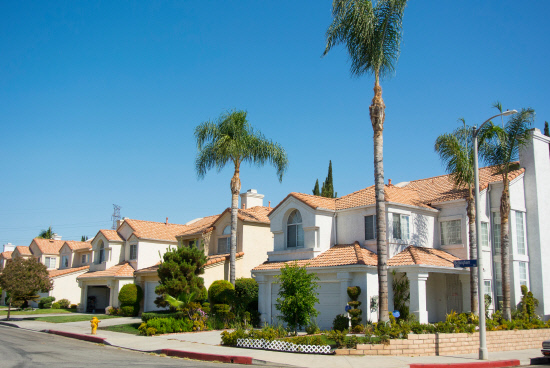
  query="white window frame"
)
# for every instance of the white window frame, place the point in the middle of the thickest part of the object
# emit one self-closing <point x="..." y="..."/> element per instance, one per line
<point x="299" y="229"/>
<point x="64" y="261"/>
<point x="523" y="273"/>
<point x="495" y="229"/>
<point x="399" y="232"/>
<point x="485" y="235"/>
<point x="487" y="288"/>
<point x="520" y="233"/>
<point x="101" y="253"/>
<point x="48" y="261"/>
<point x="225" y="237"/>
<point x="373" y="229"/>
<point x="84" y="259"/>
<point x="444" y="224"/>
<point x="134" y="250"/>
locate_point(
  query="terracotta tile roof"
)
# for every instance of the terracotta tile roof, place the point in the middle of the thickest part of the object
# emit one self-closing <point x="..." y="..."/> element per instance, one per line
<point x="66" y="271"/>
<point x="254" y="214"/>
<point x="110" y="235"/>
<point x="124" y="269"/>
<point x="6" y="254"/>
<point x="217" y="258"/>
<point x="422" y="256"/>
<point x="442" y="188"/>
<point x="155" y="230"/>
<point x="49" y="246"/>
<point x="200" y="226"/>
<point x="338" y="255"/>
<point x="153" y="268"/>
<point x="77" y="245"/>
<point x="392" y="193"/>
<point x="23" y="250"/>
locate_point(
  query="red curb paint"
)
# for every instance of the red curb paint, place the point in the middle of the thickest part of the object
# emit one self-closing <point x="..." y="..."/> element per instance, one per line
<point x="99" y="340"/>
<point x="208" y="357"/>
<point x="489" y="364"/>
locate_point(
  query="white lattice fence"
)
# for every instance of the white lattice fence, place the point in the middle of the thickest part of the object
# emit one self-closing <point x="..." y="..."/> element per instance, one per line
<point x="279" y="345"/>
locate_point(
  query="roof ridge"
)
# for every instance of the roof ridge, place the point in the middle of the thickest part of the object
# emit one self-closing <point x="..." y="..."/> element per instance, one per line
<point x="413" y="256"/>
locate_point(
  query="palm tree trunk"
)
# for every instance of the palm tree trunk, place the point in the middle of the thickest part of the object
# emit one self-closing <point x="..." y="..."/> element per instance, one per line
<point x="235" y="189"/>
<point x="473" y="252"/>
<point x="9" y="310"/>
<point x="505" y="247"/>
<point x="377" y="116"/>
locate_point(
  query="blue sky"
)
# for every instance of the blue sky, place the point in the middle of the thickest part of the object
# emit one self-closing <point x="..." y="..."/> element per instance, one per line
<point x="98" y="100"/>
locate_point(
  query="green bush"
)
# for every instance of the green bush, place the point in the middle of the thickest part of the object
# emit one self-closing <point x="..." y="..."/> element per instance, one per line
<point x="161" y="314"/>
<point x="306" y="340"/>
<point x="64" y="303"/>
<point x="46" y="302"/>
<point x="339" y="337"/>
<point x="340" y="323"/>
<point x="56" y="306"/>
<point x="74" y="306"/>
<point x="165" y="325"/>
<point x="221" y="292"/>
<point x="130" y="294"/>
<point x="268" y="333"/>
<point x="246" y="300"/>
<point x="230" y="338"/>
<point x="354" y="292"/>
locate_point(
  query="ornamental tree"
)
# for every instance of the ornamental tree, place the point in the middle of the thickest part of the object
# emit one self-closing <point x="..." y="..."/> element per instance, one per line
<point x="22" y="279"/>
<point x="179" y="273"/>
<point x="297" y="296"/>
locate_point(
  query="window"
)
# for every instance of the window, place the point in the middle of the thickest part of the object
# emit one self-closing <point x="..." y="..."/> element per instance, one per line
<point x="498" y="285"/>
<point x="50" y="262"/>
<point x="451" y="232"/>
<point x="400" y="226"/>
<point x="487" y="287"/>
<point x="370" y="227"/>
<point x="64" y="261"/>
<point x="520" y="233"/>
<point x="101" y="257"/>
<point x="295" y="231"/>
<point x="496" y="232"/>
<point x="84" y="259"/>
<point x="224" y="241"/>
<point x="523" y="273"/>
<point x="192" y="243"/>
<point x="485" y="235"/>
<point x="133" y="252"/>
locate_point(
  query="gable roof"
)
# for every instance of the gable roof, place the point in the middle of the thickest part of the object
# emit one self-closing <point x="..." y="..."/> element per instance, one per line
<point x="111" y="235"/>
<point x="200" y="226"/>
<point x="66" y="271"/>
<point x="23" y="250"/>
<point x="422" y="256"/>
<point x="78" y="245"/>
<point x="154" y="230"/>
<point x="123" y="269"/>
<point x="6" y="254"/>
<point x="49" y="246"/>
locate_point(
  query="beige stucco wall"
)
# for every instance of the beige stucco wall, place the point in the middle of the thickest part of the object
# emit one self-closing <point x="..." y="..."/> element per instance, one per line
<point x="258" y="240"/>
<point x="148" y="252"/>
<point x="66" y="287"/>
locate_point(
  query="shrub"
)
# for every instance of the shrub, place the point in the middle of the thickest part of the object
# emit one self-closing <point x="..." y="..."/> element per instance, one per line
<point x="64" y="303"/>
<point x="46" y="302"/>
<point x="230" y="338"/>
<point x="165" y="325"/>
<point x="340" y="323"/>
<point x="129" y="310"/>
<point x="56" y="306"/>
<point x="338" y="336"/>
<point x="313" y="329"/>
<point x="130" y="294"/>
<point x="161" y="314"/>
<point x="74" y="306"/>
<point x="246" y="300"/>
<point x="221" y="292"/>
<point x="354" y="292"/>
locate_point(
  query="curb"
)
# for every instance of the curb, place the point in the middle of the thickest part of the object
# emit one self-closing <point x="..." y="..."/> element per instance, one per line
<point x="487" y="364"/>
<point x="89" y="338"/>
<point x="208" y="357"/>
<point x="9" y="324"/>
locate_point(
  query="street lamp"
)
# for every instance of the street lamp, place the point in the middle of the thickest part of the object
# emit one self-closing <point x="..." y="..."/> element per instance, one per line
<point x="483" y="354"/>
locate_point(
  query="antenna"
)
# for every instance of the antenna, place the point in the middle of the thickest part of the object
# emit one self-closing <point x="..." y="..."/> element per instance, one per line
<point x="116" y="216"/>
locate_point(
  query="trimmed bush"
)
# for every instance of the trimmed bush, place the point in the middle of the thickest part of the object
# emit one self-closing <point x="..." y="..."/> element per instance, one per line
<point x="64" y="303"/>
<point x="340" y="323"/>
<point x="74" y="306"/>
<point x="165" y="325"/>
<point x="56" y="306"/>
<point x="130" y="294"/>
<point x="129" y="310"/>
<point x="221" y="292"/>
<point x="46" y="302"/>
<point x="161" y="314"/>
<point x="354" y="292"/>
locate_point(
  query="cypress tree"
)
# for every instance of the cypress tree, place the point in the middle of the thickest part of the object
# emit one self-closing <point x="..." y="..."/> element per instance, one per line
<point x="546" y="131"/>
<point x="316" y="188"/>
<point x="328" y="188"/>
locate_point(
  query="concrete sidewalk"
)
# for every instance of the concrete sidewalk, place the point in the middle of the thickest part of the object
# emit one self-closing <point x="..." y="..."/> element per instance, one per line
<point x="208" y="343"/>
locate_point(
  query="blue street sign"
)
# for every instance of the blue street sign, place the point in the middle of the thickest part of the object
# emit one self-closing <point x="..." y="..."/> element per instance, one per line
<point x="348" y="308"/>
<point x="465" y="263"/>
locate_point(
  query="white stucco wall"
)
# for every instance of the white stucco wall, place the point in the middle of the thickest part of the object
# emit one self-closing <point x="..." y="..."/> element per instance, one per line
<point x="148" y="252"/>
<point x="66" y="287"/>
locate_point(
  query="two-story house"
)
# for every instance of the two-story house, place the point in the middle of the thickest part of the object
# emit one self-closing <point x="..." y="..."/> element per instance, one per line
<point x="47" y="251"/>
<point x="426" y="231"/>
<point x="5" y="257"/>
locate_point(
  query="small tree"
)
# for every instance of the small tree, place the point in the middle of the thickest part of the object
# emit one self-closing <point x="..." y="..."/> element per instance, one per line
<point x="179" y="272"/>
<point x="327" y="190"/>
<point x="22" y="279"/>
<point x="130" y="296"/>
<point x="546" y="130"/>
<point x="316" y="188"/>
<point x="297" y="296"/>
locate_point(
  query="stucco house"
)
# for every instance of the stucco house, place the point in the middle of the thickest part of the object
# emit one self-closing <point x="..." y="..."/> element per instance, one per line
<point x="426" y="231"/>
<point x="254" y="239"/>
<point x="5" y="257"/>
<point x="21" y="251"/>
<point x="47" y="251"/>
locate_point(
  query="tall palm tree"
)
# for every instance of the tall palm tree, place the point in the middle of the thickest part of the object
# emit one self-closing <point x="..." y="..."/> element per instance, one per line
<point x="502" y="150"/>
<point x="46" y="234"/>
<point x="456" y="150"/>
<point x="232" y="139"/>
<point x="372" y="35"/>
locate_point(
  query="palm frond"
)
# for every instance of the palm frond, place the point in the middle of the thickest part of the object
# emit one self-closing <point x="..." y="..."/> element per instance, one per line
<point x="456" y="151"/>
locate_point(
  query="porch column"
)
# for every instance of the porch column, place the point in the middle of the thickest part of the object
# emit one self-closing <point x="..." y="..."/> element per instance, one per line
<point x="418" y="295"/>
<point x="465" y="288"/>
<point x="83" y="296"/>
<point x="264" y="298"/>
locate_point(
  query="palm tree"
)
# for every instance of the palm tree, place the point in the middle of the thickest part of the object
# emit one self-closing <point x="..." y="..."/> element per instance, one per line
<point x="46" y="234"/>
<point x="456" y="150"/>
<point x="502" y="150"/>
<point x="372" y="35"/>
<point x="232" y="139"/>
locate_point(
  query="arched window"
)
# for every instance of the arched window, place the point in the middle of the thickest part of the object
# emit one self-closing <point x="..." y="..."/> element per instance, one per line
<point x="101" y="252"/>
<point x="294" y="230"/>
<point x="224" y="241"/>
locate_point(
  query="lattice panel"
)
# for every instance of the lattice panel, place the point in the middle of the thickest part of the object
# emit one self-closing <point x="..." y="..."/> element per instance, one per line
<point x="279" y="345"/>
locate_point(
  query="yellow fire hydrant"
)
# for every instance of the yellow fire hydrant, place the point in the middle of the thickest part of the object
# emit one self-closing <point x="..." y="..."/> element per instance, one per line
<point x="95" y="323"/>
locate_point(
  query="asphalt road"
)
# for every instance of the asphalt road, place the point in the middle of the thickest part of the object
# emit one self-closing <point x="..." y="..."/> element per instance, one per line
<point x="28" y="349"/>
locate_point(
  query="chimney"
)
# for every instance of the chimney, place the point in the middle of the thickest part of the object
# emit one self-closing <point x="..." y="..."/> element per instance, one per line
<point x="243" y="205"/>
<point x="389" y="182"/>
<point x="251" y="199"/>
<point x="119" y="222"/>
<point x="167" y="221"/>
<point x="269" y="204"/>
<point x="56" y="237"/>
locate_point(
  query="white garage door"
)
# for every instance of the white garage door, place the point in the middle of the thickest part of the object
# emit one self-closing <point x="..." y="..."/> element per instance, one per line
<point x="150" y="296"/>
<point x="328" y="307"/>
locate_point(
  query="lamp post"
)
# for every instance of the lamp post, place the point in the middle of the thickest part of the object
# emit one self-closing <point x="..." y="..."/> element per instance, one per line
<point x="483" y="354"/>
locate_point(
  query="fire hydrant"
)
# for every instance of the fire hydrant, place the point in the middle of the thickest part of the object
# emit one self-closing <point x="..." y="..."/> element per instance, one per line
<point x="95" y="323"/>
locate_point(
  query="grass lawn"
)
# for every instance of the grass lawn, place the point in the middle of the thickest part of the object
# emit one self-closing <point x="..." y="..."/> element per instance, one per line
<point x="37" y="311"/>
<point x="73" y="318"/>
<point x="130" y="328"/>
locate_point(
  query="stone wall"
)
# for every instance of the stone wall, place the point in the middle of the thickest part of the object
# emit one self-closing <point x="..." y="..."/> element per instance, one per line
<point x="451" y="344"/>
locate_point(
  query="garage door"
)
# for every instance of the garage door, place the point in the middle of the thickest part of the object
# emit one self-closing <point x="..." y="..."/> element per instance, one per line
<point x="328" y="307"/>
<point x="150" y="296"/>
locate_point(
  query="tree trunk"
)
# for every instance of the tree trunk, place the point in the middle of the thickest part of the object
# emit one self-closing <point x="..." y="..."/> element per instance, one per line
<point x="377" y="116"/>
<point x="9" y="310"/>
<point x="235" y="189"/>
<point x="473" y="252"/>
<point x="505" y="247"/>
